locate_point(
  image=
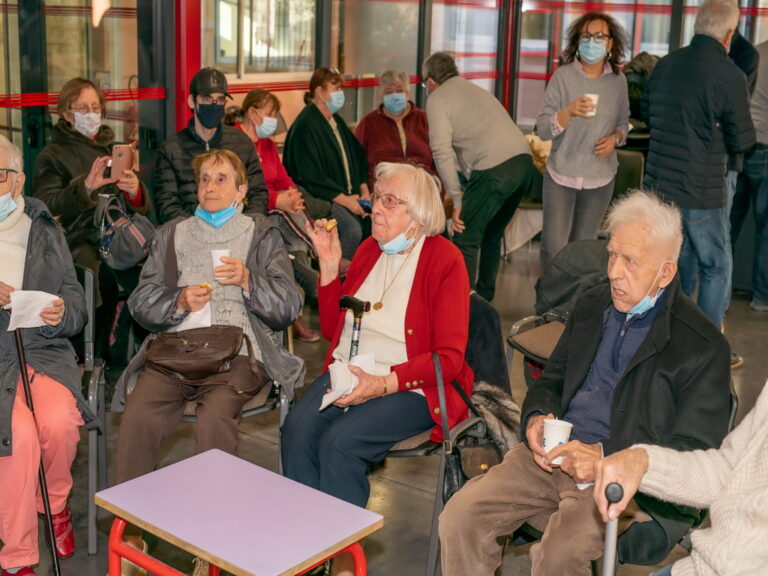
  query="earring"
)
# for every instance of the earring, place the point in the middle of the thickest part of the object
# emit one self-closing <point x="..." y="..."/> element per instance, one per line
<point x="608" y="56"/>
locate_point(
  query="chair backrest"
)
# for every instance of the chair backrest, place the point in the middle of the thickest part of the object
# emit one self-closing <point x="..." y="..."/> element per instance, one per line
<point x="630" y="173"/>
<point x="86" y="279"/>
<point x="485" y="347"/>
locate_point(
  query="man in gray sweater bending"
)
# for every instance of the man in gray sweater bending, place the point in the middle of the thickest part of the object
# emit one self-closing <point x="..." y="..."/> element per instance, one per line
<point x="468" y="123"/>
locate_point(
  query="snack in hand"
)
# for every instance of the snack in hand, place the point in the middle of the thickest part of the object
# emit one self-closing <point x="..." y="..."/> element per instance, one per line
<point x="207" y="287"/>
<point x="330" y="225"/>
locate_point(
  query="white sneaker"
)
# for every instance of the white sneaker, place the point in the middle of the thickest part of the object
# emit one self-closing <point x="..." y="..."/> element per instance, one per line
<point x="759" y="307"/>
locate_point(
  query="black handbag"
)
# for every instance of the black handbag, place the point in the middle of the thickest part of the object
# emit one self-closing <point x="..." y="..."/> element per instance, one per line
<point x="473" y="454"/>
<point x="124" y="237"/>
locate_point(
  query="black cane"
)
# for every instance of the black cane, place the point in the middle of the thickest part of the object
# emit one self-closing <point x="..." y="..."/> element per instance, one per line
<point x="41" y="470"/>
<point x="358" y="307"/>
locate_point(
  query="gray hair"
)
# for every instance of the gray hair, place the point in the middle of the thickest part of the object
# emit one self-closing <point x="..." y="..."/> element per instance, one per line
<point x="391" y="77"/>
<point x="716" y="18"/>
<point x="440" y="66"/>
<point x="424" y="203"/>
<point x="13" y="154"/>
<point x="664" y="220"/>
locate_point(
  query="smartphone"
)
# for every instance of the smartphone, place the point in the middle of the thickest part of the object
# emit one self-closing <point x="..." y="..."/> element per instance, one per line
<point x="366" y="204"/>
<point x="122" y="159"/>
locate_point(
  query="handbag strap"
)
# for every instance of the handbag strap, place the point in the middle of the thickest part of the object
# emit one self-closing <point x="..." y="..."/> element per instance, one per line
<point x="99" y="215"/>
<point x="171" y="262"/>
<point x="447" y="444"/>
<point x="467" y="400"/>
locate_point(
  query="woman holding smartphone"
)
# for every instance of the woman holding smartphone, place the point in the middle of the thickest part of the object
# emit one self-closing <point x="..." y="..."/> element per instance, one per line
<point x="70" y="173"/>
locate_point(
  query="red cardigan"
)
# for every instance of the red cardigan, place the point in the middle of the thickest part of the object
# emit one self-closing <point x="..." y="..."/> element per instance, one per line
<point x="436" y="319"/>
<point x="275" y="176"/>
<point x="379" y="136"/>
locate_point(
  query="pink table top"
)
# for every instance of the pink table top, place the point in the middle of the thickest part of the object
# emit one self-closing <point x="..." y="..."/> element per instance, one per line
<point x="241" y="517"/>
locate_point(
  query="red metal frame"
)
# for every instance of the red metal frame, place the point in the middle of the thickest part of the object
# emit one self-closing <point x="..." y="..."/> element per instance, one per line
<point x="188" y="58"/>
<point x="118" y="550"/>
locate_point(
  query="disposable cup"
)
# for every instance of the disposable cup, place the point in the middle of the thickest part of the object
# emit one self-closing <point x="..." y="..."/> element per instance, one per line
<point x="216" y="256"/>
<point x="556" y="432"/>
<point x="594" y="98"/>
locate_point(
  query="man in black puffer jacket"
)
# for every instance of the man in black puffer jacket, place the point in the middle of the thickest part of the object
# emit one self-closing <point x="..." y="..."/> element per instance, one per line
<point x="175" y="188"/>
<point x="697" y="106"/>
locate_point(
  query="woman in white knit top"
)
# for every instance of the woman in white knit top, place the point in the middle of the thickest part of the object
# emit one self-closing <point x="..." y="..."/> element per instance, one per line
<point x="732" y="482"/>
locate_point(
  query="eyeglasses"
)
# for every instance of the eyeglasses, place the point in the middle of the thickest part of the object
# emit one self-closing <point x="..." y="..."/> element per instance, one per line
<point x="4" y="174"/>
<point x="84" y="108"/>
<point x="389" y="201"/>
<point x="598" y="36"/>
<point x="221" y="101"/>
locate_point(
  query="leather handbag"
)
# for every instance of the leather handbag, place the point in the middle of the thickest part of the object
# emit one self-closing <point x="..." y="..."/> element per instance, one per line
<point x="124" y="238"/>
<point x="193" y="355"/>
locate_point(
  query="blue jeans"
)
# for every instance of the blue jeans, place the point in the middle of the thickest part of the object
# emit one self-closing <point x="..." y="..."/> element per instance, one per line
<point x="706" y="259"/>
<point x="753" y="186"/>
<point x="666" y="571"/>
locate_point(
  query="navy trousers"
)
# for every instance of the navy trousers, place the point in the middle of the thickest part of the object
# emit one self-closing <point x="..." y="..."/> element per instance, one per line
<point x="332" y="450"/>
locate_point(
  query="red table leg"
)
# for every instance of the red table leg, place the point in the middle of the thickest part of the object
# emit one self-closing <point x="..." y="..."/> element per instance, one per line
<point x="358" y="556"/>
<point x="118" y="549"/>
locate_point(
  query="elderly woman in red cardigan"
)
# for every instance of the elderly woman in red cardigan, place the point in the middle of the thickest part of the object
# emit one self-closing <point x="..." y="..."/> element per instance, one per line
<point x="417" y="283"/>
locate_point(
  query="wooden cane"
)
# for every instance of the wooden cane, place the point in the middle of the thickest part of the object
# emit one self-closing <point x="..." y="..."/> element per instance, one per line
<point x="41" y="470"/>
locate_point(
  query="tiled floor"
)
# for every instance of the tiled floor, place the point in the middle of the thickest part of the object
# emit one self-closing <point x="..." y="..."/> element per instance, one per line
<point x="403" y="489"/>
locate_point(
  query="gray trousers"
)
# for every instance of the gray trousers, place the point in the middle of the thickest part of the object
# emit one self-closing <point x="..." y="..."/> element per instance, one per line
<point x="570" y="214"/>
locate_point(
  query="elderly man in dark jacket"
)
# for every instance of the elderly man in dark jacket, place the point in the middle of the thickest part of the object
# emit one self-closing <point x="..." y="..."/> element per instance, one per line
<point x="175" y="188"/>
<point x="637" y="362"/>
<point x="35" y="256"/>
<point x="697" y="106"/>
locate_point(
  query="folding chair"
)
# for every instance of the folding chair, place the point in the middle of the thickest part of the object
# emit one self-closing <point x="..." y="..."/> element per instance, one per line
<point x="485" y="341"/>
<point x="535" y="338"/>
<point x="94" y="381"/>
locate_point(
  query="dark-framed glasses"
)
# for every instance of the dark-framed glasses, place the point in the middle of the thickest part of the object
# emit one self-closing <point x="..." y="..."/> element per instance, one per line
<point x="4" y="174"/>
<point x="598" y="36"/>
<point x="221" y="100"/>
<point x="389" y="201"/>
<point x="85" y="109"/>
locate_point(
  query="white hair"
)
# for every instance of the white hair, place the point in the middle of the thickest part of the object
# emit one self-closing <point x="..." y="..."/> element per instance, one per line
<point x="391" y="77"/>
<point x="423" y="197"/>
<point x="716" y="18"/>
<point x="664" y="220"/>
<point x="13" y="155"/>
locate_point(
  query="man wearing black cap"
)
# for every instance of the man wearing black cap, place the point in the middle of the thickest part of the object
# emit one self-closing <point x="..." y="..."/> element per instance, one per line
<point x="175" y="188"/>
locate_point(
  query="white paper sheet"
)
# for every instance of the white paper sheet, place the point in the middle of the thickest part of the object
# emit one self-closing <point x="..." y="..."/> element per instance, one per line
<point x="26" y="306"/>
<point x="342" y="380"/>
<point x="199" y="319"/>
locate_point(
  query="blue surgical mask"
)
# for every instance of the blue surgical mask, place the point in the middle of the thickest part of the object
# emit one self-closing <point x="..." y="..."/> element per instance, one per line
<point x="592" y="51"/>
<point x="267" y="127"/>
<point x="218" y="219"/>
<point x="397" y="244"/>
<point x="647" y="301"/>
<point x="395" y="103"/>
<point x="337" y="101"/>
<point x="7" y="205"/>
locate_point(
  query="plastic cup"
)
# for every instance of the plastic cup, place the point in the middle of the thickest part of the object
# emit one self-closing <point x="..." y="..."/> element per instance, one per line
<point x="216" y="256"/>
<point x="556" y="432"/>
<point x="594" y="98"/>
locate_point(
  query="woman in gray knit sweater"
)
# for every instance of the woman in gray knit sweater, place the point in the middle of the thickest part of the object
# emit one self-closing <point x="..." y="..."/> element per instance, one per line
<point x="585" y="113"/>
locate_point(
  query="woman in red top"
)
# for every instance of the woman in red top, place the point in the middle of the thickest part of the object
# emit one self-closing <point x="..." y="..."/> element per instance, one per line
<point x="396" y="131"/>
<point x="260" y="109"/>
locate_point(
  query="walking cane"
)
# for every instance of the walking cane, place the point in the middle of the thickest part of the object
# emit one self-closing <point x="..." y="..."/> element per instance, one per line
<point x="41" y="470"/>
<point x="613" y="493"/>
<point x="358" y="307"/>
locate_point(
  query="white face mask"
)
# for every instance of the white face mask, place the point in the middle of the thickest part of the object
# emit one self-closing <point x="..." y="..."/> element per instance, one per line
<point x="87" y="124"/>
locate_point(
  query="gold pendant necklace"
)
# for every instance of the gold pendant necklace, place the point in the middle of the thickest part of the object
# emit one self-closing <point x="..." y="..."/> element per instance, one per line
<point x="380" y="304"/>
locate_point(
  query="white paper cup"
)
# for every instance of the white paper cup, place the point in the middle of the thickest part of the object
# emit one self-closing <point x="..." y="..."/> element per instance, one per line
<point x="556" y="432"/>
<point x="216" y="256"/>
<point x="594" y="98"/>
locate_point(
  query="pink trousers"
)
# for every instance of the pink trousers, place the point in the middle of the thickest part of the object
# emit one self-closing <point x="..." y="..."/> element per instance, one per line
<point x="53" y="432"/>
